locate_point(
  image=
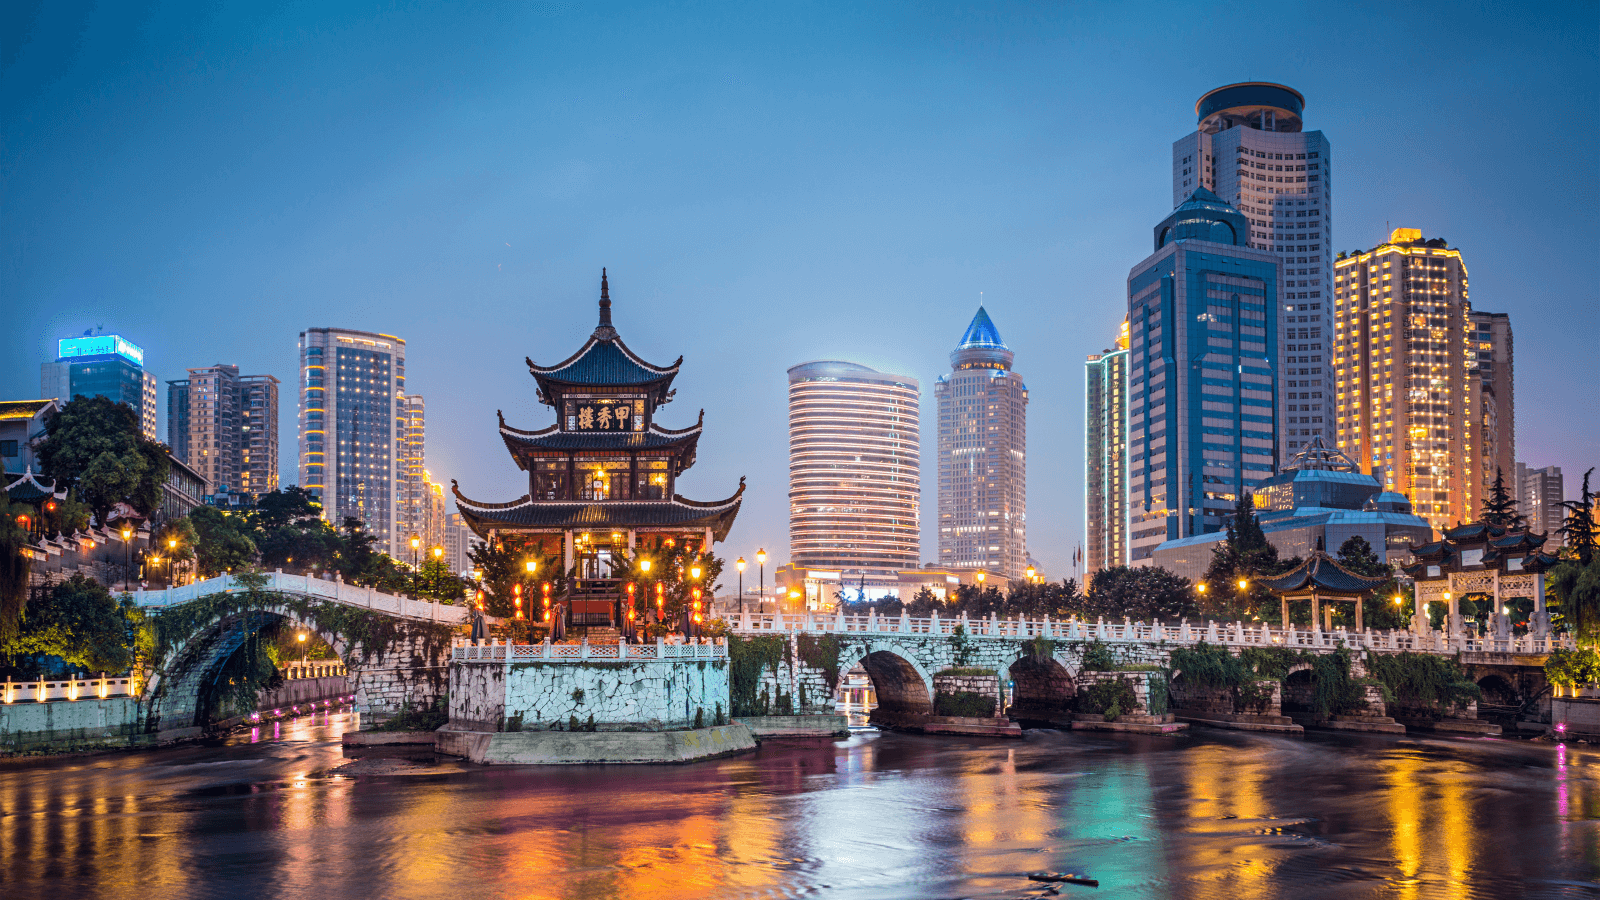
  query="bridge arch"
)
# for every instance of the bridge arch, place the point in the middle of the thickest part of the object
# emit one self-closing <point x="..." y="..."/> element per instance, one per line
<point x="392" y="661"/>
<point x="1498" y="690"/>
<point x="902" y="684"/>
<point x="1041" y="685"/>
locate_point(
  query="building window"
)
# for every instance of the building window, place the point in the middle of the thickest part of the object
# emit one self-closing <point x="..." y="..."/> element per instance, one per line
<point x="8" y="448"/>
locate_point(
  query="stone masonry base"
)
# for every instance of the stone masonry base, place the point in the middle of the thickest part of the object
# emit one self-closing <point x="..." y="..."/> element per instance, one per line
<point x="565" y="748"/>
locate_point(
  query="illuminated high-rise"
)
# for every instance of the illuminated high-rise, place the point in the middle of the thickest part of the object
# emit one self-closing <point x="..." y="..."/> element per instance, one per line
<point x="225" y="426"/>
<point x="1106" y="457"/>
<point x="855" y="477"/>
<point x="1250" y="149"/>
<point x="983" y="456"/>
<point x="1409" y="390"/>
<point x="354" y="429"/>
<point x="1202" y="387"/>
<point x="102" y="365"/>
<point x="1497" y="406"/>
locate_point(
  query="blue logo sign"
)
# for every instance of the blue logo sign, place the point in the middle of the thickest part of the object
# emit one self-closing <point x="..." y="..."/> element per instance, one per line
<point x="100" y="345"/>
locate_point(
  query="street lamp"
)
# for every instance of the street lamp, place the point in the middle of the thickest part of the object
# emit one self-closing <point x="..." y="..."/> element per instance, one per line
<point x="1201" y="587"/>
<point x="981" y="576"/>
<point x="301" y="637"/>
<point x="1031" y="572"/>
<point x="740" y="566"/>
<point x="127" y="555"/>
<point x="416" y="541"/>
<point x="761" y="586"/>
<point x="1244" y="584"/>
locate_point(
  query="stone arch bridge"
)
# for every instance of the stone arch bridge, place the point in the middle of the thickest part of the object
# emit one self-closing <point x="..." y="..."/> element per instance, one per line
<point x="396" y="650"/>
<point x="910" y="661"/>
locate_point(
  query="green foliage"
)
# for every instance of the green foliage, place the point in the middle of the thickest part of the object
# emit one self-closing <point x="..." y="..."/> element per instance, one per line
<point x="1579" y="529"/>
<point x="1576" y="606"/>
<point x="1423" y="681"/>
<point x="720" y="719"/>
<point x="1144" y="593"/>
<point x="220" y="542"/>
<point x="969" y="672"/>
<point x="748" y="658"/>
<point x="1040" y="648"/>
<point x="699" y="717"/>
<point x="1109" y="698"/>
<point x="14" y="567"/>
<point x="95" y="445"/>
<point x="964" y="647"/>
<point x="1572" y="668"/>
<point x="968" y="704"/>
<point x="1245" y="555"/>
<point x="822" y="652"/>
<point x="1252" y="697"/>
<point x="79" y="622"/>
<point x="1500" y="507"/>
<point x="1211" y="667"/>
<point x="577" y="695"/>
<point x="1160" y="695"/>
<point x="1274" y="663"/>
<point x="1097" y="657"/>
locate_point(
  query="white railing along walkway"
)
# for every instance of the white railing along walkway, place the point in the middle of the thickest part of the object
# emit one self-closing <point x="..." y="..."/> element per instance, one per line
<point x="315" y="588"/>
<point x="704" y="649"/>
<point x="1258" y="634"/>
<point x="43" y="691"/>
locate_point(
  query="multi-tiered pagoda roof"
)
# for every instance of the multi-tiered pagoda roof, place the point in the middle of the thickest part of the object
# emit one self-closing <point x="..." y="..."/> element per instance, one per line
<point x="605" y="465"/>
<point x="1482" y="545"/>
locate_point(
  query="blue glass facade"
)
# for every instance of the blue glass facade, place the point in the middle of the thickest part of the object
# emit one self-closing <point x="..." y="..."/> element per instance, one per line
<point x="1202" y="375"/>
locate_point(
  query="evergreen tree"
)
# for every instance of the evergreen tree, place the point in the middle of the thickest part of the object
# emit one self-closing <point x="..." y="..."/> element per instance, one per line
<point x="1500" y="507"/>
<point x="1580" y="528"/>
<point x="1245" y="555"/>
<point x="95" y="445"/>
<point x="1357" y="555"/>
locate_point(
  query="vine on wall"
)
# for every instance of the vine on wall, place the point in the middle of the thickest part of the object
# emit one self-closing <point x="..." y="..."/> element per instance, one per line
<point x="747" y="659"/>
<point x="822" y="652"/>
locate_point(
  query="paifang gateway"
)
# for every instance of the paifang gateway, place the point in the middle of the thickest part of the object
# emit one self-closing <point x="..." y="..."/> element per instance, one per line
<point x="602" y="479"/>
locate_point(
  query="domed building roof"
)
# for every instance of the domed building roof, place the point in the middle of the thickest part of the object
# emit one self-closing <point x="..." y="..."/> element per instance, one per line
<point x="1204" y="217"/>
<point x="1388" y="501"/>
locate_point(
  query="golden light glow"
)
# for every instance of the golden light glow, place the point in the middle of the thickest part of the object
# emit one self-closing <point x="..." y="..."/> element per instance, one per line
<point x="739" y="564"/>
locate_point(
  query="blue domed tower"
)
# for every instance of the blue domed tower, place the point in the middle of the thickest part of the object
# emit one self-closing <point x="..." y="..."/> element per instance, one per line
<point x="983" y="430"/>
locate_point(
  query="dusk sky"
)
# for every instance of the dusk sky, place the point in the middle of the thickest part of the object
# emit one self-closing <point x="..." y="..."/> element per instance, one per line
<point x="767" y="184"/>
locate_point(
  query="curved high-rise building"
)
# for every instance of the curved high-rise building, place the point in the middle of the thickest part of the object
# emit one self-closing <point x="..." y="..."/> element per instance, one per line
<point x="983" y="456"/>
<point x="855" y="481"/>
<point x="1251" y="150"/>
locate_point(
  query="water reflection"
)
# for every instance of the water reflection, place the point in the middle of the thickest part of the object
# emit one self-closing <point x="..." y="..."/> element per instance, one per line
<point x="1198" y="816"/>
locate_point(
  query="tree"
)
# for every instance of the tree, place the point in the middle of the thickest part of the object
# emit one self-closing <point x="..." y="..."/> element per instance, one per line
<point x="1356" y="555"/>
<point x="1580" y="527"/>
<point x="1500" y="507"/>
<point x="80" y="622"/>
<point x="1245" y="555"/>
<point x="292" y="506"/>
<point x="1145" y="593"/>
<point x="1382" y="612"/>
<point x="14" y="566"/>
<point x="221" y="544"/>
<point x="95" y="445"/>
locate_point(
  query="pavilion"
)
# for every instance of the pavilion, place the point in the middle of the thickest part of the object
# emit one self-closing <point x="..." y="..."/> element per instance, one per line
<point x="602" y="480"/>
<point x="1481" y="557"/>
<point x="1321" y="579"/>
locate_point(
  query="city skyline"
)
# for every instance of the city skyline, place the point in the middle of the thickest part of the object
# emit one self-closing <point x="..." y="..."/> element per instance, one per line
<point x="802" y="259"/>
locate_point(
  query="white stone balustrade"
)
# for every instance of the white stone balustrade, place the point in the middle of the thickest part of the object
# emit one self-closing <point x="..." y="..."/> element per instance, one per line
<point x="1073" y="629"/>
<point x="494" y="651"/>
<point x="69" y="690"/>
<point x="313" y="588"/>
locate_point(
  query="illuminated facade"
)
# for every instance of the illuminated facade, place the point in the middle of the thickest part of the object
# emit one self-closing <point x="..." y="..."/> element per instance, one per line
<point x="1202" y="384"/>
<point x="224" y="426"/>
<point x="1409" y="392"/>
<point x="855" y="480"/>
<point x="1106" y="457"/>
<point x="1251" y="151"/>
<point x="412" y="480"/>
<point x="354" y="421"/>
<point x="1540" y="493"/>
<point x="1497" y="407"/>
<point x="983" y="456"/>
<point x="102" y="365"/>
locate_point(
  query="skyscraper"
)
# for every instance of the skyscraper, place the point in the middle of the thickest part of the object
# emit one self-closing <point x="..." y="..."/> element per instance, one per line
<point x="1250" y="150"/>
<point x="1202" y="385"/>
<point x="1539" y="496"/>
<point x="855" y="478"/>
<point x="983" y="456"/>
<point x="411" y="473"/>
<point x="354" y="421"/>
<point x="1409" y="391"/>
<point x="1106" y="456"/>
<point x="225" y="426"/>
<point x="103" y="365"/>
<point x="1497" y="408"/>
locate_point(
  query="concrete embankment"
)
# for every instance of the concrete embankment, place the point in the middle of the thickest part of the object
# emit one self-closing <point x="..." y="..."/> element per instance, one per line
<point x="556" y="748"/>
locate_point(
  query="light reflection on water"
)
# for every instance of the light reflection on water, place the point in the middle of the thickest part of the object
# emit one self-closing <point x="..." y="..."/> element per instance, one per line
<point x="1202" y="815"/>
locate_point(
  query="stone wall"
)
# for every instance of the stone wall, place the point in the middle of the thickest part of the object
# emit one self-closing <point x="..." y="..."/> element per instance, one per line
<point x="1190" y="699"/>
<point x="646" y="695"/>
<point x="1140" y="682"/>
<point x="300" y="691"/>
<point x="986" y="686"/>
<point x="68" y="725"/>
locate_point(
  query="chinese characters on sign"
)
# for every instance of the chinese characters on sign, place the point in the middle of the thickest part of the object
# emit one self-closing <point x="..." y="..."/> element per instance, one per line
<point x="602" y="418"/>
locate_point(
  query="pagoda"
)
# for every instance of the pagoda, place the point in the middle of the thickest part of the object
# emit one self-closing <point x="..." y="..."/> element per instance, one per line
<point x="1488" y="558"/>
<point x="602" y="480"/>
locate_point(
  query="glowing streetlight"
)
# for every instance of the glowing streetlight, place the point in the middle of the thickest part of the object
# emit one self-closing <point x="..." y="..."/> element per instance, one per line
<point x="1031" y="572"/>
<point x="981" y="576"/>
<point x="1244" y="584"/>
<point x="301" y="637"/>
<point x="416" y="541"/>
<point x="1201" y="587"/>
<point x="761" y="586"/>
<point x="740" y="566"/>
<point x="532" y="566"/>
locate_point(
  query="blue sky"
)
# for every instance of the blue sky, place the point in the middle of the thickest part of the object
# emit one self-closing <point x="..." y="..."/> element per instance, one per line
<point x="767" y="184"/>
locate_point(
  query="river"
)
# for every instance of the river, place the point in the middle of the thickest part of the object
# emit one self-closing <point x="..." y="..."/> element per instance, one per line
<point x="1206" y="814"/>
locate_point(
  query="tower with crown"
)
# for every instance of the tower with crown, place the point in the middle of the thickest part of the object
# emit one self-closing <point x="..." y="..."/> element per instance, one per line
<point x="983" y="457"/>
<point x="602" y="480"/>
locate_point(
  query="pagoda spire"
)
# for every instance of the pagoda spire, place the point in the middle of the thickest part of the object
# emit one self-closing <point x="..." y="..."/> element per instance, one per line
<point x="605" y="301"/>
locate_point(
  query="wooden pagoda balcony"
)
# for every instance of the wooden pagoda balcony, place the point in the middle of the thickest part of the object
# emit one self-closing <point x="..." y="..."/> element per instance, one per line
<point x="596" y="601"/>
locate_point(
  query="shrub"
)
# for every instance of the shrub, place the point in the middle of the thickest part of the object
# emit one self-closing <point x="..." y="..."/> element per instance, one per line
<point x="1109" y="698"/>
<point x="1097" y="657"/>
<point x="968" y="704"/>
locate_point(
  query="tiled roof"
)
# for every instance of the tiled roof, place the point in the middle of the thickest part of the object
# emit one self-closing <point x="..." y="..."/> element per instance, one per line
<point x="525" y="513"/>
<point x="22" y="409"/>
<point x="28" y="488"/>
<point x="1321" y="572"/>
<point x="524" y="444"/>
<point x="602" y="362"/>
